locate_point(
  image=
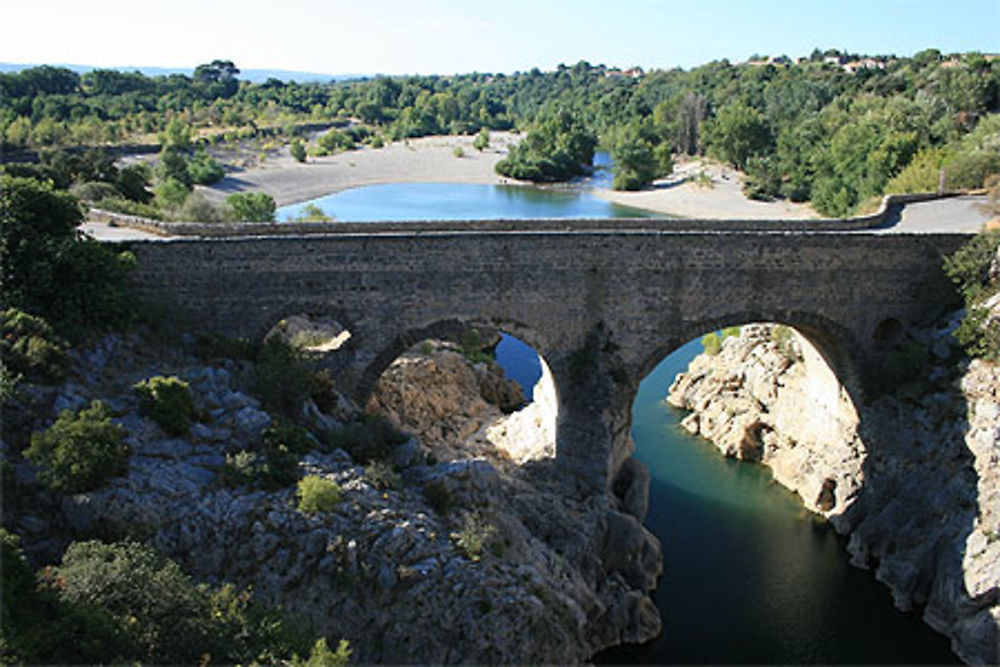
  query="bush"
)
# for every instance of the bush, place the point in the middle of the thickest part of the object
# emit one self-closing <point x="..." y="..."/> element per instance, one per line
<point x="372" y="438"/>
<point x="438" y="496"/>
<point x="204" y="170"/>
<point x="155" y="613"/>
<point x="198" y="208"/>
<point x="31" y="348"/>
<point x="969" y="269"/>
<point x="475" y="536"/>
<point x="168" y="402"/>
<point x="93" y="191"/>
<point x="317" y="494"/>
<point x="298" y="150"/>
<point x="171" y="193"/>
<point x="381" y="475"/>
<point x="128" y="207"/>
<point x="712" y="343"/>
<point x="281" y="379"/>
<point x="482" y="140"/>
<point x="80" y="450"/>
<point x="322" y="656"/>
<point x="457" y="151"/>
<point x="251" y="207"/>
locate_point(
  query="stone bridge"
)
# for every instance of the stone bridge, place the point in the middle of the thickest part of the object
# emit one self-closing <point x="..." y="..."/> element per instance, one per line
<point x="602" y="301"/>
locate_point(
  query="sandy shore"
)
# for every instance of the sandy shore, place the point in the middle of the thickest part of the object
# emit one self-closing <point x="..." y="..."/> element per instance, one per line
<point x="681" y="195"/>
<point x="432" y="160"/>
<point x="423" y="160"/>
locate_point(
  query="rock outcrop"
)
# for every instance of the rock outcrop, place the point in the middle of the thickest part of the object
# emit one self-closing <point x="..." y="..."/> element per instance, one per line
<point x="469" y="558"/>
<point x="914" y="480"/>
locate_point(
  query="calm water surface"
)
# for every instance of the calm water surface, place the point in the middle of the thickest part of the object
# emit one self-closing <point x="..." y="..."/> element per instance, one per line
<point x="749" y="575"/>
<point x="471" y="201"/>
<point x="460" y="201"/>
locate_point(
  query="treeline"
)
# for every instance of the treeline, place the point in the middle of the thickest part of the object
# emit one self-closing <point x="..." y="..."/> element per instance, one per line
<point x="819" y="130"/>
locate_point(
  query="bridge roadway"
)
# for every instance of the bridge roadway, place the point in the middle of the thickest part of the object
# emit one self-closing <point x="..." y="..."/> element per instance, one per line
<point x="602" y="301"/>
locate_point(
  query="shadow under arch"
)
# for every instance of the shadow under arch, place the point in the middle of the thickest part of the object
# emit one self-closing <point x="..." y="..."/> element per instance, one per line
<point x="834" y="342"/>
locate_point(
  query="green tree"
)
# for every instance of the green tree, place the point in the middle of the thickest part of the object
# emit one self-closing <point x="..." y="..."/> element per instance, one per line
<point x="80" y="450"/>
<point x="737" y="133"/>
<point x="298" y="150"/>
<point x="251" y="206"/>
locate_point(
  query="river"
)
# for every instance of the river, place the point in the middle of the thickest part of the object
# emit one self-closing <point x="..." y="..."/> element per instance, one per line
<point x="749" y="575"/>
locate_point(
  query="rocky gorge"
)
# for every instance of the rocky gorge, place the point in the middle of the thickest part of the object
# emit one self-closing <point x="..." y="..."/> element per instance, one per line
<point x="464" y="545"/>
<point x="910" y="475"/>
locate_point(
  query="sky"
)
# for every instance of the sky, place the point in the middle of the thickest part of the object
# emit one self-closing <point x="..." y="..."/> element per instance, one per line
<point x="461" y="36"/>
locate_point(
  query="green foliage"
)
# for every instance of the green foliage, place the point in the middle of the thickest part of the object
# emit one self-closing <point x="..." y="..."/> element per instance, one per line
<point x="472" y="348"/>
<point x="381" y="475"/>
<point x="204" y="170"/>
<point x="171" y="193"/>
<point x="177" y="134"/>
<point x="457" y="151"/>
<point x="476" y="535"/>
<point x="153" y="612"/>
<point x="638" y="160"/>
<point x="93" y="191"/>
<point x="174" y="166"/>
<point x="969" y="268"/>
<point x="281" y="379"/>
<point x="129" y="207"/>
<point x="251" y="206"/>
<point x="312" y="213"/>
<point x="438" y="496"/>
<point x="322" y="656"/>
<point x="712" y="343"/>
<point x="737" y="133"/>
<point x="317" y="494"/>
<point x="482" y="140"/>
<point x="168" y="402"/>
<point x="557" y="148"/>
<point x="297" y="150"/>
<point x="371" y="438"/>
<point x="332" y="141"/>
<point x="80" y="450"/>
<point x="31" y="348"/>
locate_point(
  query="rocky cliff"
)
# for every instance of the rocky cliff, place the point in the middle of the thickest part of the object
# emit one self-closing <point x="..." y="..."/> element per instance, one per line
<point x="911" y="476"/>
<point x="463" y="554"/>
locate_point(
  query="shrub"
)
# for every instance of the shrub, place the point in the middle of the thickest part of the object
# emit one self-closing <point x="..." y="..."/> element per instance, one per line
<point x="170" y="193"/>
<point x="251" y="207"/>
<point x="281" y="379"/>
<point x="381" y="475"/>
<point x="153" y="612"/>
<point x="94" y="191"/>
<point x="80" y="450"/>
<point x="168" y="402"/>
<point x="298" y="150"/>
<point x="712" y="343"/>
<point x="475" y="535"/>
<point x="128" y="207"/>
<point x="969" y="269"/>
<point x="438" y="496"/>
<point x="31" y="348"/>
<point x="198" y="208"/>
<point x="204" y="170"/>
<point x="371" y="438"/>
<point x="322" y="656"/>
<point x="317" y="494"/>
<point x="457" y="151"/>
<point x="482" y="140"/>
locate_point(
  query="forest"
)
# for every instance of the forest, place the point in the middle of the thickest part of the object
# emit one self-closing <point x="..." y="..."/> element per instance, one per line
<point x="835" y="129"/>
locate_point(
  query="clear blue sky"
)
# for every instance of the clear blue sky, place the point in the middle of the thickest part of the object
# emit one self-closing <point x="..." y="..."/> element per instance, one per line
<point x="450" y="36"/>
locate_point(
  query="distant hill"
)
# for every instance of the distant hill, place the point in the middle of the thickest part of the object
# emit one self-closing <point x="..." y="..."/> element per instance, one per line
<point x="252" y="75"/>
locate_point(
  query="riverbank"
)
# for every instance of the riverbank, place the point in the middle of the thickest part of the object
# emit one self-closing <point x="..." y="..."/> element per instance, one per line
<point x="719" y="194"/>
<point x="422" y="160"/>
<point x="705" y="189"/>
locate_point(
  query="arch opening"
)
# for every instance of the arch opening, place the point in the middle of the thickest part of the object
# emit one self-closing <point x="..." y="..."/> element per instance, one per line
<point x="468" y="392"/>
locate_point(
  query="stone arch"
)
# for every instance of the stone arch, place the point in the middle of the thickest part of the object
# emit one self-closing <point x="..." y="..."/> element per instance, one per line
<point x="451" y="329"/>
<point x="835" y="342"/>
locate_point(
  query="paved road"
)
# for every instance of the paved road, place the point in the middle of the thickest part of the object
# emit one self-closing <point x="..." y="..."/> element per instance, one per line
<point x="955" y="214"/>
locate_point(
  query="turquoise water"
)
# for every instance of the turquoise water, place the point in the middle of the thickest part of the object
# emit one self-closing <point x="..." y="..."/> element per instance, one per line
<point x="460" y="201"/>
<point x="749" y="575"/>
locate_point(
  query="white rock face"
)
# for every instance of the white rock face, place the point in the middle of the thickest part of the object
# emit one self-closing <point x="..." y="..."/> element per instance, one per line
<point x="777" y="403"/>
<point x="915" y="480"/>
<point x="530" y="433"/>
